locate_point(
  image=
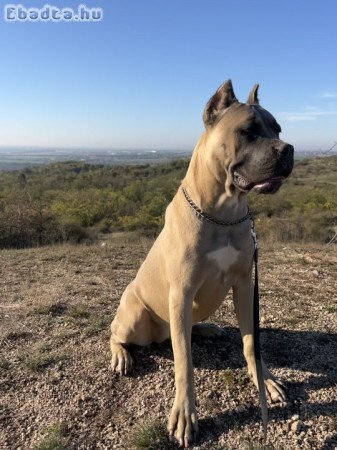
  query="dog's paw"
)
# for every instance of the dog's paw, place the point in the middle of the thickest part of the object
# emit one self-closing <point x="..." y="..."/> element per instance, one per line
<point x="121" y="361"/>
<point x="275" y="391"/>
<point x="183" y="424"/>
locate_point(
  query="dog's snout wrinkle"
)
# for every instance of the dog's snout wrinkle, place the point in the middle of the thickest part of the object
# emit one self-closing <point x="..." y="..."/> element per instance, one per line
<point x="284" y="149"/>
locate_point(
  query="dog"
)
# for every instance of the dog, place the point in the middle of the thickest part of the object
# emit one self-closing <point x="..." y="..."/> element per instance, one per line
<point x="205" y="248"/>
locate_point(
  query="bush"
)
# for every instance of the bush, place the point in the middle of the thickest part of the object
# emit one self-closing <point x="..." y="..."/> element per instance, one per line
<point x="75" y="234"/>
<point x="54" y="438"/>
<point x="66" y="202"/>
<point x="28" y="223"/>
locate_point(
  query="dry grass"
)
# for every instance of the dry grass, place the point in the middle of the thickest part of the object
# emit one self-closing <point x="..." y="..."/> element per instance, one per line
<point x="150" y="436"/>
<point x="56" y="306"/>
<point x="53" y="438"/>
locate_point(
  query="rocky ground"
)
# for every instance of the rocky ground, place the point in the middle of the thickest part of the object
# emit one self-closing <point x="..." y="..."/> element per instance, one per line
<point x="56" y="389"/>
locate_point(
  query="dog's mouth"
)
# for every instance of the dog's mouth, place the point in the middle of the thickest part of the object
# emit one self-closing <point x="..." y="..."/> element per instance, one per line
<point x="267" y="186"/>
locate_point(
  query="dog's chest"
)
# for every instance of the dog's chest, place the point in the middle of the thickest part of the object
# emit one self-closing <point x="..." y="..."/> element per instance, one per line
<point x="219" y="265"/>
<point x="223" y="257"/>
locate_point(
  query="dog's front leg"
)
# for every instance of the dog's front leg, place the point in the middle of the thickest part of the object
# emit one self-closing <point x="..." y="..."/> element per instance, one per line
<point x="243" y="295"/>
<point x="183" y="423"/>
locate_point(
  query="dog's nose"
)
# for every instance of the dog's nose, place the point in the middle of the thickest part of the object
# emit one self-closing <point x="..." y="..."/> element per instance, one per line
<point x="287" y="151"/>
<point x="284" y="150"/>
<point x="285" y="160"/>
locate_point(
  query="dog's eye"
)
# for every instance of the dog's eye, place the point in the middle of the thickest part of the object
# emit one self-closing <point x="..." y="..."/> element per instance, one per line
<point x="245" y="132"/>
<point x="248" y="132"/>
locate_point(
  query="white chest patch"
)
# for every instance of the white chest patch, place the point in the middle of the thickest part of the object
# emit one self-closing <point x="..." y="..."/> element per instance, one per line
<point x="224" y="257"/>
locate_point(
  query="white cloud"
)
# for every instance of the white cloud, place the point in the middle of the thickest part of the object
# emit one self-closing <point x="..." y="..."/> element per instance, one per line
<point x="328" y="94"/>
<point x="310" y="113"/>
<point x="296" y="117"/>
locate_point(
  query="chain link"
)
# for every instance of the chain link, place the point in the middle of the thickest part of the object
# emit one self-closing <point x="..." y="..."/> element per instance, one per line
<point x="201" y="215"/>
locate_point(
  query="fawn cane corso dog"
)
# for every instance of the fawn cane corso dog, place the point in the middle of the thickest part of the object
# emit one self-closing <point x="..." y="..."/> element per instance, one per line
<point x="194" y="262"/>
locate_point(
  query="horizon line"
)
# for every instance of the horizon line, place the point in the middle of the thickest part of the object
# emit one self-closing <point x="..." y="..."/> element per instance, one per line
<point x="121" y="149"/>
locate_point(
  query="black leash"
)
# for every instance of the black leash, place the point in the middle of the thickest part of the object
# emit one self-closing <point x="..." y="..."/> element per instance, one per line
<point x="256" y="307"/>
<point x="257" y="347"/>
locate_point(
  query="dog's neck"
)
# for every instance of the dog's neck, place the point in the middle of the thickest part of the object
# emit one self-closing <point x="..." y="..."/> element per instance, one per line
<point x="210" y="189"/>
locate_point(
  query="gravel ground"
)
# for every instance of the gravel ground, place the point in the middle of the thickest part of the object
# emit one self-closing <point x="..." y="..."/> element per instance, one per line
<point x="56" y="386"/>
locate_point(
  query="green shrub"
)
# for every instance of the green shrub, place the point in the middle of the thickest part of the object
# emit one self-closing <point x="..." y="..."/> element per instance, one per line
<point x="54" y="438"/>
<point x="73" y="201"/>
<point x="151" y="436"/>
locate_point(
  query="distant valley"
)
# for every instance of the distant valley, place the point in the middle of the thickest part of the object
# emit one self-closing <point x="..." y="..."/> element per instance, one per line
<point x="20" y="158"/>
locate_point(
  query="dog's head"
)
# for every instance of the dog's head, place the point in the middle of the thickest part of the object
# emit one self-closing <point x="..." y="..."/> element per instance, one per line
<point x="244" y="140"/>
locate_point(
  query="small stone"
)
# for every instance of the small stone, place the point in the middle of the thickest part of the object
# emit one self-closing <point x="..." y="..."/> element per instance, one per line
<point x="315" y="273"/>
<point x="297" y="426"/>
<point x="240" y="409"/>
<point x="141" y="412"/>
<point x="295" y="417"/>
<point x="157" y="408"/>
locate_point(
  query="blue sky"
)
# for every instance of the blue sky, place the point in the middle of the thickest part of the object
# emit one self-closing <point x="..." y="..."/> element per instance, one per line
<point x="141" y="77"/>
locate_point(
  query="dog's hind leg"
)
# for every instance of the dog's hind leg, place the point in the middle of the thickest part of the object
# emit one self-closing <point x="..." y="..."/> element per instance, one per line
<point x="207" y="330"/>
<point x="131" y="325"/>
<point x="243" y="303"/>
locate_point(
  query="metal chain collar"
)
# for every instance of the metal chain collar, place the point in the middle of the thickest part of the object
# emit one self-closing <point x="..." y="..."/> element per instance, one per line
<point x="201" y="215"/>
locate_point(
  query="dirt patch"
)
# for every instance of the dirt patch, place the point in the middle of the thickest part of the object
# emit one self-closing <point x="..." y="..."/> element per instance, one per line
<point x="55" y="382"/>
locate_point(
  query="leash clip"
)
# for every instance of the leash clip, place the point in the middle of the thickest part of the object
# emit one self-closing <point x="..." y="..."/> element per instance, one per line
<point x="252" y="231"/>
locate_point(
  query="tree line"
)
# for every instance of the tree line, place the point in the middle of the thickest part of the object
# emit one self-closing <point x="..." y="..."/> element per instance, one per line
<point x="75" y="202"/>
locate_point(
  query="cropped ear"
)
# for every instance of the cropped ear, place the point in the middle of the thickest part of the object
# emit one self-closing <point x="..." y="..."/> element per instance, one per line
<point x="222" y="99"/>
<point x="252" y="97"/>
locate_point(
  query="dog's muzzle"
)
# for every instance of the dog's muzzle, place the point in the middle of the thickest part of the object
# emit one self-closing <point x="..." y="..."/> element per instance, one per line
<point x="270" y="184"/>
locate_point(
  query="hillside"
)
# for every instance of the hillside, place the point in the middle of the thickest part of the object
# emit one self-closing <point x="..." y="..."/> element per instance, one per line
<point x="74" y="202"/>
<point x="57" y="301"/>
<point x="56" y="389"/>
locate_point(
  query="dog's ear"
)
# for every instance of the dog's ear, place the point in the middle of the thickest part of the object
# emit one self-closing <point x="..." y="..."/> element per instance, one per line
<point x="253" y="97"/>
<point x="222" y="99"/>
